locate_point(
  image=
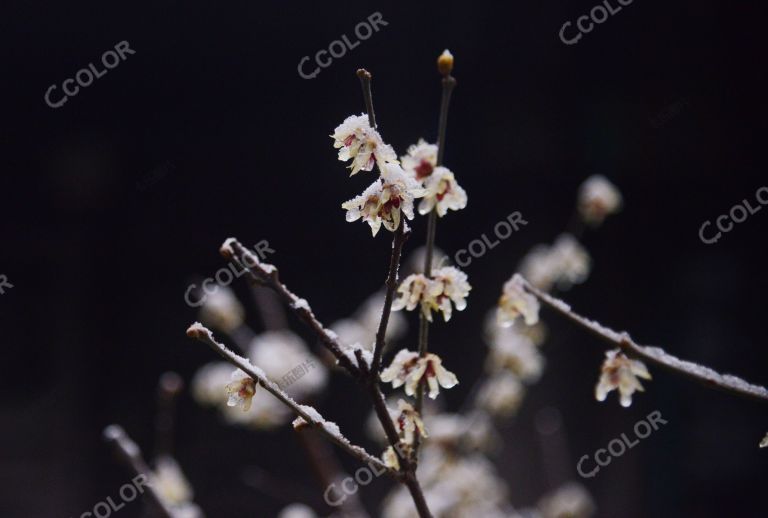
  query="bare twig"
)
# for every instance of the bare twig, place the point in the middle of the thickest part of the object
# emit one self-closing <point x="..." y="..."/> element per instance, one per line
<point x="200" y="332"/>
<point x="365" y="83"/>
<point x="655" y="355"/>
<point x="130" y="455"/>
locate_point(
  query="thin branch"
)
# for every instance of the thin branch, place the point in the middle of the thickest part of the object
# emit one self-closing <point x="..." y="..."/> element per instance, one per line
<point x="168" y="389"/>
<point x="398" y="241"/>
<point x="655" y="355"/>
<point x="365" y="82"/>
<point x="268" y="274"/>
<point x="200" y="332"/>
<point x="130" y="455"/>
<point x="448" y="83"/>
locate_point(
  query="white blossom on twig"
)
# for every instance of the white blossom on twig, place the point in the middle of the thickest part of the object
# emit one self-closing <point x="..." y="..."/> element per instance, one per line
<point x="443" y="192"/>
<point x="515" y="302"/>
<point x="620" y="372"/>
<point x="421" y="160"/>
<point x="598" y="198"/>
<point x="357" y="141"/>
<point x="408" y="369"/>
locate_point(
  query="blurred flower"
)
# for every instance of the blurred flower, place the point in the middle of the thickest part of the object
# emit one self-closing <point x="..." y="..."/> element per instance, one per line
<point x="514" y="352"/>
<point x="764" y="442"/>
<point x="598" y="198"/>
<point x="361" y="327"/>
<point x="442" y="191"/>
<point x="408" y="369"/>
<point x="619" y="372"/>
<point x="420" y="160"/>
<point x="565" y="263"/>
<point x="362" y="144"/>
<point x="569" y="501"/>
<point x="222" y="310"/>
<point x="516" y="301"/>
<point x="501" y="394"/>
<point x="241" y="390"/>
<point x="172" y="487"/>
<point x="385" y="199"/>
<point x="297" y="511"/>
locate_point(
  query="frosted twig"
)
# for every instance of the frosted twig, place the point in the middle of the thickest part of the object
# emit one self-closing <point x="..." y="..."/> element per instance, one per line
<point x="308" y="414"/>
<point x="267" y="274"/>
<point x="655" y="355"/>
<point x="130" y="455"/>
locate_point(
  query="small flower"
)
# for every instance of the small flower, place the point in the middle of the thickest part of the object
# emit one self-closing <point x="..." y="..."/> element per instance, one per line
<point x="448" y="285"/>
<point x="443" y="192"/>
<point x="408" y="369"/>
<point x="420" y="160"/>
<point x="598" y="198"/>
<point x="241" y="390"/>
<point x="170" y="483"/>
<point x="390" y="458"/>
<point x="222" y="310"/>
<point x="619" y="372"/>
<point x="385" y="199"/>
<point x="514" y="302"/>
<point x="454" y="288"/>
<point x="513" y="351"/>
<point x="408" y="422"/>
<point x="361" y="143"/>
<point x="764" y="442"/>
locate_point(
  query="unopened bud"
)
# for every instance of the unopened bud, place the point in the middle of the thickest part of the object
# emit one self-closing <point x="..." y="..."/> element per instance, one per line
<point x="445" y="63"/>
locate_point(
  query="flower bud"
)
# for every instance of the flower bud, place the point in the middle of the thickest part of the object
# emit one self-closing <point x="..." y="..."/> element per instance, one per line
<point x="445" y="63"/>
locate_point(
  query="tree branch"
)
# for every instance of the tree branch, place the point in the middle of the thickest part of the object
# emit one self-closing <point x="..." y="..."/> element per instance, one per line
<point x="655" y="355"/>
<point x="398" y="241"/>
<point x="201" y="333"/>
<point x="130" y="455"/>
<point x="267" y="274"/>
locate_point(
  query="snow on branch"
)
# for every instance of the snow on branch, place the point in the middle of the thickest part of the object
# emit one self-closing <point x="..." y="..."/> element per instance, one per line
<point x="307" y="413"/>
<point x="654" y="355"/>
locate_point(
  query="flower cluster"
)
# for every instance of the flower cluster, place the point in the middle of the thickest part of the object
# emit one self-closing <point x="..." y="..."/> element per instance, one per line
<point x="385" y="200"/>
<point x="564" y="264"/>
<point x="619" y="372"/>
<point x="409" y="369"/>
<point x="448" y="284"/>
<point x="442" y="190"/>
<point x="356" y="140"/>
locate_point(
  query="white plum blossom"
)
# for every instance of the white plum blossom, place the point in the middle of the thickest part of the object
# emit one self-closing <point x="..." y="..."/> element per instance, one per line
<point x="620" y="372"/>
<point x="515" y="301"/>
<point x="356" y="140"/>
<point x="408" y="421"/>
<point x="443" y="192"/>
<point x="421" y="159"/>
<point x="449" y="284"/>
<point x="222" y="310"/>
<point x="598" y="198"/>
<point x="454" y="288"/>
<point x="241" y="390"/>
<point x="565" y="263"/>
<point x="408" y="369"/>
<point x="385" y="200"/>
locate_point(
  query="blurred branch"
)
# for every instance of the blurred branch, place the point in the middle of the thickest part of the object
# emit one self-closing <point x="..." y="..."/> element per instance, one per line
<point x="168" y="389"/>
<point x="130" y="455"/>
<point x="655" y="355"/>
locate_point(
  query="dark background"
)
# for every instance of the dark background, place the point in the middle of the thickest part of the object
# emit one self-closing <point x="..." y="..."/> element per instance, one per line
<point x="212" y="100"/>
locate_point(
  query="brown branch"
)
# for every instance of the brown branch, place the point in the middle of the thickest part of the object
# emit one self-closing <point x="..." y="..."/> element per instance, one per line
<point x="199" y="332"/>
<point x="130" y="455"/>
<point x="365" y="83"/>
<point x="268" y="274"/>
<point x="655" y="355"/>
<point x="398" y="241"/>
